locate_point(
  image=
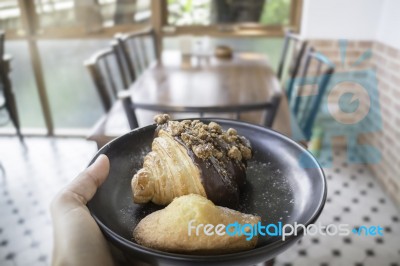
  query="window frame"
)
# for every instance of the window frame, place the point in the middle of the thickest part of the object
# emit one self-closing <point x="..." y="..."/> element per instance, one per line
<point x="235" y="30"/>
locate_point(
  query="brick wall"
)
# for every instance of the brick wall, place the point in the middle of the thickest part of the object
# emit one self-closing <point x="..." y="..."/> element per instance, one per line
<point x="385" y="61"/>
<point x="387" y="64"/>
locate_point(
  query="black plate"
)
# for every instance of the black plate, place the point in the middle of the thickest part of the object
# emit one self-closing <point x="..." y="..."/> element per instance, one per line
<point x="285" y="184"/>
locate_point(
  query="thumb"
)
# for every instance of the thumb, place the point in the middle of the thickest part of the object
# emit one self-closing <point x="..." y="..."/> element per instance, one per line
<point x="85" y="185"/>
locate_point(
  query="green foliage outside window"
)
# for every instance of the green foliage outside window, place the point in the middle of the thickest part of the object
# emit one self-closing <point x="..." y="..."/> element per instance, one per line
<point x="200" y="12"/>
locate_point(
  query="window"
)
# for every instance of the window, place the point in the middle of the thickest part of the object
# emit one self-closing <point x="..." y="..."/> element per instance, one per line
<point x="261" y="13"/>
<point x="9" y="15"/>
<point x="23" y="82"/>
<point x="62" y="34"/>
<point x="89" y="16"/>
<point x="74" y="102"/>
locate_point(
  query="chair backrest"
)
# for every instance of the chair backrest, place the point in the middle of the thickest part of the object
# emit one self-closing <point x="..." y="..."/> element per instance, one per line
<point x="138" y="50"/>
<point x="107" y="75"/>
<point x="121" y="63"/>
<point x="316" y="72"/>
<point x="291" y="58"/>
<point x="269" y="108"/>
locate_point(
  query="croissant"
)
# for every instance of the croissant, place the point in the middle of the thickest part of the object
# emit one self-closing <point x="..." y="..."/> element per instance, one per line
<point x="192" y="157"/>
<point x="181" y="227"/>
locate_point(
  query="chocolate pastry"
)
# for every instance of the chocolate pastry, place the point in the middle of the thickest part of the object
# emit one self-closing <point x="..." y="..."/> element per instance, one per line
<point x="193" y="157"/>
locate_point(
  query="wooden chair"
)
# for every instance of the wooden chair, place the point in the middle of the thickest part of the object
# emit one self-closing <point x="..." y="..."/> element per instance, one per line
<point x="106" y="71"/>
<point x="305" y="108"/>
<point x="291" y="58"/>
<point x="269" y="108"/>
<point x="7" y="97"/>
<point x="130" y="57"/>
<point x="135" y="51"/>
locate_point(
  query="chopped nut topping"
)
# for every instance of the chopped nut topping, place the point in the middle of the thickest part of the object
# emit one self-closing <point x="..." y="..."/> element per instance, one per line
<point x="217" y="154"/>
<point x="215" y="127"/>
<point x="161" y="119"/>
<point x="186" y="138"/>
<point x="194" y="122"/>
<point x="232" y="138"/>
<point x="234" y="153"/>
<point x="231" y="132"/>
<point x="203" y="151"/>
<point x="208" y="140"/>
<point x="176" y="128"/>
<point x="246" y="152"/>
<point x="203" y="133"/>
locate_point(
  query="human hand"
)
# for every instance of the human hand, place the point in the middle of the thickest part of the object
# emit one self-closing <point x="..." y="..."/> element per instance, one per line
<point x="77" y="238"/>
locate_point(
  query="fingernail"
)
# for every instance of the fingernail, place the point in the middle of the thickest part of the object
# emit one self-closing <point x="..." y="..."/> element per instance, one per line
<point x="99" y="158"/>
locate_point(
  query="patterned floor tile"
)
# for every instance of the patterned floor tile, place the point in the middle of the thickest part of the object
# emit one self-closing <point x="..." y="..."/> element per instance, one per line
<point x="356" y="198"/>
<point x="33" y="176"/>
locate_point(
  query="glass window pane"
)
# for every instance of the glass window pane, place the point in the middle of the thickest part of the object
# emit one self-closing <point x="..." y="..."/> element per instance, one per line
<point x="9" y="15"/>
<point x="207" y="12"/>
<point x="24" y="86"/>
<point x="270" y="47"/>
<point x="91" y="15"/>
<point x="276" y="12"/>
<point x="117" y="12"/>
<point x="187" y="12"/>
<point x="56" y="13"/>
<point x="74" y="101"/>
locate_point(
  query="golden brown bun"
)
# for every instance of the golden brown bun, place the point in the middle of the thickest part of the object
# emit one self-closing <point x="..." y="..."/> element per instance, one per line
<point x="167" y="229"/>
<point x="168" y="172"/>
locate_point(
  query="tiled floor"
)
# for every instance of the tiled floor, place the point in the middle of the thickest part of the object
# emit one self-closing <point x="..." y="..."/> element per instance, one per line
<point x="34" y="175"/>
<point x="357" y="199"/>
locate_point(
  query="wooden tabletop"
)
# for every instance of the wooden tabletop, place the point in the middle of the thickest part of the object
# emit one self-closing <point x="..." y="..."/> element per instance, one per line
<point x="206" y="81"/>
<point x="246" y="78"/>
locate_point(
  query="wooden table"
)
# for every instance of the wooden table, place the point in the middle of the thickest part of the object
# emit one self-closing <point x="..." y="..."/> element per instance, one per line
<point x="206" y="81"/>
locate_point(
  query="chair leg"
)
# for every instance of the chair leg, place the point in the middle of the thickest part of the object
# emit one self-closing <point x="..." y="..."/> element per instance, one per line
<point x="10" y="100"/>
<point x="18" y="129"/>
<point x="270" y="116"/>
<point x="129" y="111"/>
<point x="12" y="110"/>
